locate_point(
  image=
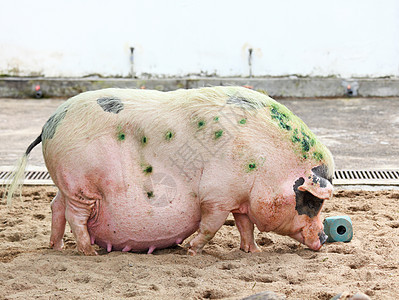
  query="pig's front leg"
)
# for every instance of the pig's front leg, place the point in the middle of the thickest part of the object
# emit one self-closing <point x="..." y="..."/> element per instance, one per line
<point x="78" y="211"/>
<point x="246" y="229"/>
<point x="211" y="221"/>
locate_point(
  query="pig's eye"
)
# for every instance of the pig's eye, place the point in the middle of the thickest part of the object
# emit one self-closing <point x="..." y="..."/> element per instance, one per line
<point x="306" y="203"/>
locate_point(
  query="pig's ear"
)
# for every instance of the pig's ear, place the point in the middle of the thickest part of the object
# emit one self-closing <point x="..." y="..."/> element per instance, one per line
<point x="317" y="186"/>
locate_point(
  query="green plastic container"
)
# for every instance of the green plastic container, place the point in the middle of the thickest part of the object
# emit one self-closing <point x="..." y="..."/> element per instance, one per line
<point x="338" y="229"/>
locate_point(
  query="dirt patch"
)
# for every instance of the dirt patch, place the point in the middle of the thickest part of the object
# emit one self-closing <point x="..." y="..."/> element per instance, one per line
<point x="369" y="263"/>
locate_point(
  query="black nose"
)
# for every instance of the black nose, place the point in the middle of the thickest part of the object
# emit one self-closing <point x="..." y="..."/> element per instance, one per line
<point x="322" y="237"/>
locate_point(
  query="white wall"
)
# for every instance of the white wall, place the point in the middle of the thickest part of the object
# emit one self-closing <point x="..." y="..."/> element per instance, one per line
<point x="308" y="37"/>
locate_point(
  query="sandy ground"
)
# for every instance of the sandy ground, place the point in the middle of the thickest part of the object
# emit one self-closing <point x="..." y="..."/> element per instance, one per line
<point x="369" y="263"/>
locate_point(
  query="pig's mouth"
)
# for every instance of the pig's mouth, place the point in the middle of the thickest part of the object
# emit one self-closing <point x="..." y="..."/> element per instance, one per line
<point x="298" y="236"/>
<point x="315" y="244"/>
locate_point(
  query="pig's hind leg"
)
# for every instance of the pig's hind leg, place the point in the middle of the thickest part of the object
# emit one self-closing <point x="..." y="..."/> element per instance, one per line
<point x="57" y="222"/>
<point x="246" y="229"/>
<point x="212" y="218"/>
<point x="78" y="211"/>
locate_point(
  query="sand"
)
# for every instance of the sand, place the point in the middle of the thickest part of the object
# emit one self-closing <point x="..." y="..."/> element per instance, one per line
<point x="369" y="263"/>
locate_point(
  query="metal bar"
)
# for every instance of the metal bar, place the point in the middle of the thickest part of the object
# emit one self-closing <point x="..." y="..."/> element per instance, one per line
<point x="40" y="176"/>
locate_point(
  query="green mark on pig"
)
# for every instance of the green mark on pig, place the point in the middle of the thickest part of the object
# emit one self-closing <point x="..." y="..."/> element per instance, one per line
<point x="280" y="117"/>
<point x="148" y="169"/>
<point x="295" y="138"/>
<point x="218" y="134"/>
<point x="216" y="119"/>
<point x="150" y="194"/>
<point x="305" y="145"/>
<point x="307" y="141"/>
<point x="121" y="136"/>
<point x="243" y="121"/>
<point x="318" y="156"/>
<point x="201" y="124"/>
<point x="252" y="166"/>
<point x="144" y="140"/>
<point x="169" y="135"/>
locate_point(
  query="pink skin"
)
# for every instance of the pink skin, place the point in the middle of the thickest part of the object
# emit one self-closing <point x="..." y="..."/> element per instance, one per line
<point x="270" y="209"/>
<point x="246" y="229"/>
<point x="90" y="215"/>
<point x="277" y="213"/>
<point x="222" y="193"/>
<point x="58" y="222"/>
<point x="103" y="191"/>
<point x="303" y="229"/>
<point x="121" y="220"/>
<point x="309" y="233"/>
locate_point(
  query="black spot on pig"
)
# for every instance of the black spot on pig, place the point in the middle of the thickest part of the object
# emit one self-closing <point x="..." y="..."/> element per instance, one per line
<point x="318" y="180"/>
<point x="322" y="237"/>
<point x="306" y="203"/>
<point x="323" y="173"/>
<point x="51" y="125"/>
<point x="242" y="102"/>
<point x="110" y="104"/>
<point x="300" y="181"/>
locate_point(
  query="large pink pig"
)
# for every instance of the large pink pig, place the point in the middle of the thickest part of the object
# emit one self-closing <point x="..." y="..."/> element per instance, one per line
<point x="140" y="169"/>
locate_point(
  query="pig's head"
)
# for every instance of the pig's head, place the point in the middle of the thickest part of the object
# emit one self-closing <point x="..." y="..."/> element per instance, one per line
<point x="310" y="193"/>
<point x="295" y="209"/>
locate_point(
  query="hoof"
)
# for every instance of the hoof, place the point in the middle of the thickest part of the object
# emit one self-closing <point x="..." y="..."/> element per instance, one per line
<point x="57" y="246"/>
<point x="87" y="251"/>
<point x="191" y="252"/>
<point x="251" y="248"/>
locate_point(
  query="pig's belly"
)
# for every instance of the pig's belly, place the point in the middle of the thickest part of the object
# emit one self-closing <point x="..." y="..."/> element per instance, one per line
<point x="139" y="223"/>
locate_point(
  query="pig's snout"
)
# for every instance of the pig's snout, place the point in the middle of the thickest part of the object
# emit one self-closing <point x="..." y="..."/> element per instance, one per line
<point x="318" y="243"/>
<point x="322" y="237"/>
<point x="313" y="241"/>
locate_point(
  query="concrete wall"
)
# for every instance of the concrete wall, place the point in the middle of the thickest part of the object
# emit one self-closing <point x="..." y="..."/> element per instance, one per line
<point x="345" y="38"/>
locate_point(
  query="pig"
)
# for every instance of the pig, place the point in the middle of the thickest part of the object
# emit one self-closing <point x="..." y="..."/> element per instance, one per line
<point x="138" y="170"/>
